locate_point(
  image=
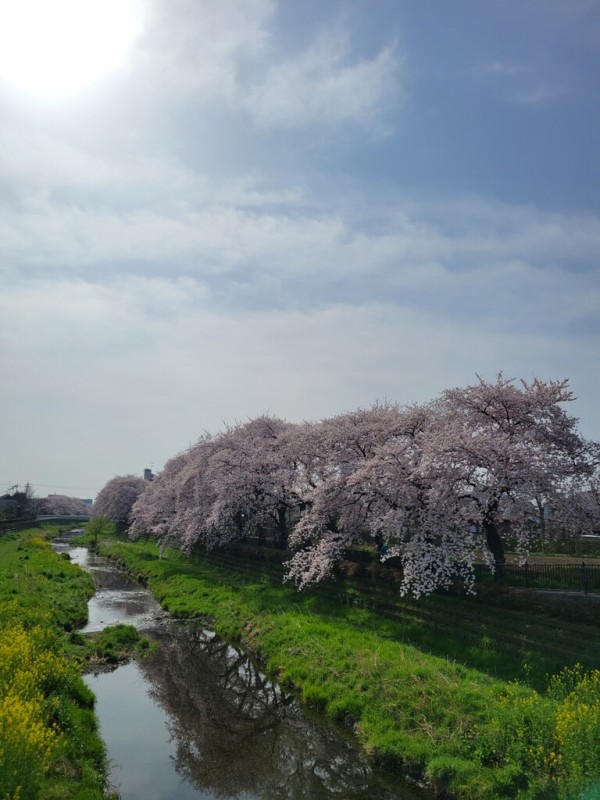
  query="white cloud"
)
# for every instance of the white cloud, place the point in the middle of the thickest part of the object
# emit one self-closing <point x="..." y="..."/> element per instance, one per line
<point x="503" y="68"/>
<point x="323" y="86"/>
<point x="252" y="246"/>
<point x="537" y="94"/>
<point x="219" y="57"/>
<point x="174" y="220"/>
<point x="526" y="84"/>
<point x="132" y="371"/>
<point x="41" y="168"/>
<point x="197" y="48"/>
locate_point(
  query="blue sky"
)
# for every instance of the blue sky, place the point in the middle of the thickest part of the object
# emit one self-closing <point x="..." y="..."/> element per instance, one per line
<point x="295" y="208"/>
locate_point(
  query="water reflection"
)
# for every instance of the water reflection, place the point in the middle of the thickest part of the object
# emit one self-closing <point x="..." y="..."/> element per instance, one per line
<point x="236" y="731"/>
<point x="199" y="719"/>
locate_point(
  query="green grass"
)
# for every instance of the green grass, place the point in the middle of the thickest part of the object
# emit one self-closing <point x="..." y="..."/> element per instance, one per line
<point x="110" y="647"/>
<point x="39" y="578"/>
<point x="505" y="634"/>
<point x="43" y="598"/>
<point x="428" y="685"/>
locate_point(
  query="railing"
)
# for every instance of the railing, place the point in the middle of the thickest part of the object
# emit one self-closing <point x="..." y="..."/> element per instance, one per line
<point x="571" y="577"/>
<point x="575" y="577"/>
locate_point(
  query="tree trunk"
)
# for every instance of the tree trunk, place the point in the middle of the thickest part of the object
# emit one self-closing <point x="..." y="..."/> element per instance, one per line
<point x="240" y="519"/>
<point x="542" y="519"/>
<point x="494" y="542"/>
<point x="282" y="527"/>
<point x="260" y="532"/>
<point x="332" y="526"/>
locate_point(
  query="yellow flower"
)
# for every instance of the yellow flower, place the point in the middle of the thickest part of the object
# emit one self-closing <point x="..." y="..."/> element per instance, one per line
<point x="29" y="672"/>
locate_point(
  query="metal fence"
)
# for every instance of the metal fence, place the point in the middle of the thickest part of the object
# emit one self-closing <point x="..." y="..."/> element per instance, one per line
<point x="564" y="577"/>
<point x="575" y="577"/>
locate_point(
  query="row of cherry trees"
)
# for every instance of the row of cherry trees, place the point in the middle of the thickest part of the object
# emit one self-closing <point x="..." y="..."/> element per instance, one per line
<point x="24" y="504"/>
<point x="116" y="499"/>
<point x="62" y="505"/>
<point x="434" y="484"/>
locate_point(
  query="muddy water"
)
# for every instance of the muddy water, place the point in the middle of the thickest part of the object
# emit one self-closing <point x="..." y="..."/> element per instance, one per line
<point x="199" y="719"/>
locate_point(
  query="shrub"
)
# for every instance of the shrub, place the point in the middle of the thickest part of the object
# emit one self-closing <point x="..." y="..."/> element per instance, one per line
<point x="552" y="738"/>
<point x="576" y="758"/>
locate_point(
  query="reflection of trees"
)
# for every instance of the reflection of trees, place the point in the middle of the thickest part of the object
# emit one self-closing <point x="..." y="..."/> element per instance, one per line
<point x="110" y="578"/>
<point x="236" y="732"/>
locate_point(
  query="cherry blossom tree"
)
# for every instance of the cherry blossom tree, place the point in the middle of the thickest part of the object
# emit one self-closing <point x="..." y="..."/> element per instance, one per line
<point x="61" y="505"/>
<point x="585" y="500"/>
<point x="178" y="503"/>
<point x="335" y="512"/>
<point x="253" y="475"/>
<point x="372" y="491"/>
<point x="153" y="512"/>
<point x="437" y="485"/>
<point x="240" y="482"/>
<point x="115" y="500"/>
<point x="507" y="450"/>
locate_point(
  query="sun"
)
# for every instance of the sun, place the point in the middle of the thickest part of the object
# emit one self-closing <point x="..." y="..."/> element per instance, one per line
<point x="56" y="48"/>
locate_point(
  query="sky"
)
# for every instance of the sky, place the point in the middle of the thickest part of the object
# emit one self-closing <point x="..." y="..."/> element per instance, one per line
<point x="295" y="208"/>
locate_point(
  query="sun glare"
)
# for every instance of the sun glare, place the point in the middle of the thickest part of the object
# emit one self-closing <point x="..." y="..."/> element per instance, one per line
<point x="55" y="48"/>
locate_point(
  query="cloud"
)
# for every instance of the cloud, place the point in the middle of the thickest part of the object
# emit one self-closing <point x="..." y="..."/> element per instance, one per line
<point x="529" y="83"/>
<point x="220" y="57"/>
<point x="170" y="217"/>
<point x="250" y="244"/>
<point x="503" y="68"/>
<point x="129" y="372"/>
<point x="197" y="49"/>
<point x="323" y="86"/>
<point x="537" y="95"/>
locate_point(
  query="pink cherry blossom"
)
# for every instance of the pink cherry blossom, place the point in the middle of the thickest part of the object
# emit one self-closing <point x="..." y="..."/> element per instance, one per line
<point x="438" y="485"/>
<point x="60" y="504"/>
<point x="115" y="500"/>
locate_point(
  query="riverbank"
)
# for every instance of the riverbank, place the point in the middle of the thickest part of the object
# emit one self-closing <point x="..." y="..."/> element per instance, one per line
<point x="435" y="697"/>
<point x="49" y="742"/>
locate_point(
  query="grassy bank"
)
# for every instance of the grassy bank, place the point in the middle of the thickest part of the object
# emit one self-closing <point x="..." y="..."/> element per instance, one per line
<point x="446" y="688"/>
<point x="49" y="743"/>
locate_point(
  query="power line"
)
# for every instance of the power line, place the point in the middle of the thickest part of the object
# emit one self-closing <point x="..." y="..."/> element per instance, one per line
<point x="52" y="486"/>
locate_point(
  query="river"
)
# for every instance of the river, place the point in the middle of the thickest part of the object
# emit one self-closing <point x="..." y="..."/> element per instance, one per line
<point x="199" y="719"/>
